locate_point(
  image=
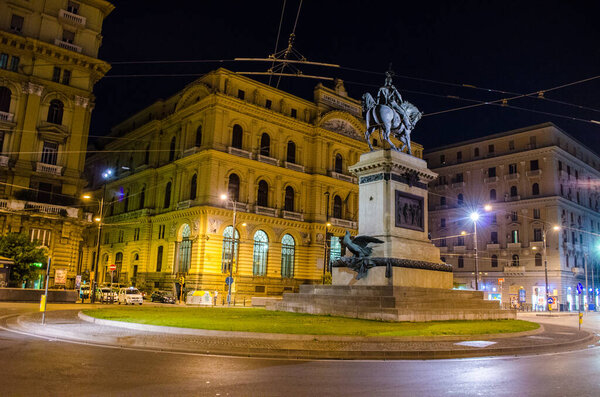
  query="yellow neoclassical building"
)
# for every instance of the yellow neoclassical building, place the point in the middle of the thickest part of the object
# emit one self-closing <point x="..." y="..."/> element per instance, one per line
<point x="48" y="68"/>
<point x="281" y="159"/>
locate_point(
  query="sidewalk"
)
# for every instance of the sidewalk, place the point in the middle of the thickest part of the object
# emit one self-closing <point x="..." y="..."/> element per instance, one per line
<point x="67" y="325"/>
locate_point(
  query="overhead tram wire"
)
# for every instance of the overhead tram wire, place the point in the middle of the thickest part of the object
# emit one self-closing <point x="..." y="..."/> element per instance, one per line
<point x="278" y="35"/>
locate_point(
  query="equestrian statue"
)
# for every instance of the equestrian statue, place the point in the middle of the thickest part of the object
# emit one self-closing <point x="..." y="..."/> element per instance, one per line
<point x="390" y="114"/>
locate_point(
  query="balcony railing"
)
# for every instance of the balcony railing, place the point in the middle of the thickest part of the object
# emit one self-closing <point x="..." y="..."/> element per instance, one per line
<point x="242" y="207"/>
<point x="67" y="46"/>
<point x="513" y="245"/>
<point x="71" y="18"/>
<point x="3" y="161"/>
<point x="342" y="177"/>
<point x="514" y="269"/>
<point x="20" y="205"/>
<point x="458" y="184"/>
<point x="190" y="151"/>
<point x="268" y="160"/>
<point x="490" y="179"/>
<point x="493" y="246"/>
<point x="342" y="223"/>
<point x="5" y="116"/>
<point x="534" y="173"/>
<point x="293" y="166"/>
<point x="459" y="248"/>
<point x="295" y="216"/>
<point x="539" y="245"/>
<point x="268" y="211"/>
<point x="443" y="249"/>
<point x="48" y="168"/>
<point x="239" y="152"/>
<point x="511" y="177"/>
<point x="184" y="204"/>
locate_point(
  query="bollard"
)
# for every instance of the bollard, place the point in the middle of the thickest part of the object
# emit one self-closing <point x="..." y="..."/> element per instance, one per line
<point x="244" y="301"/>
<point x="233" y="301"/>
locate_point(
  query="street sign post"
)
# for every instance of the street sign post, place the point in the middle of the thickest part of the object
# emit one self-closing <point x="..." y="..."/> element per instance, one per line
<point x="112" y="267"/>
<point x="579" y="291"/>
<point x="229" y="280"/>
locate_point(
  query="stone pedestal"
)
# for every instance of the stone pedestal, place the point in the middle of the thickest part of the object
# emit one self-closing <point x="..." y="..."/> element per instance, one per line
<point x="393" y="204"/>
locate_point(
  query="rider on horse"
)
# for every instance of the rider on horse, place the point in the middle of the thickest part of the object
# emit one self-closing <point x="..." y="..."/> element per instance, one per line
<point x="389" y="95"/>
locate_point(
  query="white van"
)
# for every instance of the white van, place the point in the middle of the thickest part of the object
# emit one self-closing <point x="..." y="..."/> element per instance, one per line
<point x="130" y="296"/>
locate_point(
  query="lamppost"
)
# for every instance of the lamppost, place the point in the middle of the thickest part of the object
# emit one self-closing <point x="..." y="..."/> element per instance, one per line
<point x="224" y="197"/>
<point x="544" y="247"/>
<point x="327" y="226"/>
<point x="106" y="175"/>
<point x="475" y="217"/>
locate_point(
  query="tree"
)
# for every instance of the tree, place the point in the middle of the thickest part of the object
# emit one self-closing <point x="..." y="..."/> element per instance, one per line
<point x="23" y="252"/>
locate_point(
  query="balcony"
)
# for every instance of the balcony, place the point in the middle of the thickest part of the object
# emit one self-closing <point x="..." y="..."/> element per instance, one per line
<point x="342" y="177"/>
<point x="190" y="151"/>
<point x="31" y="206"/>
<point x="441" y="187"/>
<point x="514" y="269"/>
<point x="513" y="245"/>
<point x="511" y="177"/>
<point x="67" y="46"/>
<point x="293" y="166"/>
<point x="578" y="271"/>
<point x="73" y="19"/>
<point x="539" y="245"/>
<point x="242" y="207"/>
<point x="441" y="207"/>
<point x="491" y="179"/>
<point x="268" y="211"/>
<point x="295" y="216"/>
<point x="342" y="223"/>
<point x="239" y="152"/>
<point x="493" y="246"/>
<point x="534" y="173"/>
<point x="459" y="248"/>
<point x="459" y="184"/>
<point x="267" y="160"/>
<point x="48" y="169"/>
<point x="184" y="204"/>
<point x="443" y="249"/>
<point x="514" y="198"/>
<point x="8" y="117"/>
<point x="3" y="161"/>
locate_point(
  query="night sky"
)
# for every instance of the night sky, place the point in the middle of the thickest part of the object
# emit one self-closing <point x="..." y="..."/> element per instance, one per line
<point x="513" y="46"/>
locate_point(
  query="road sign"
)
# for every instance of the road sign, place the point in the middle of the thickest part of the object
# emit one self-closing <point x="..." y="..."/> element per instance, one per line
<point x="60" y="276"/>
<point x="500" y="280"/>
<point x="229" y="280"/>
<point x="522" y="296"/>
<point x="112" y="267"/>
<point x="78" y="281"/>
<point x="579" y="288"/>
<point x="550" y="300"/>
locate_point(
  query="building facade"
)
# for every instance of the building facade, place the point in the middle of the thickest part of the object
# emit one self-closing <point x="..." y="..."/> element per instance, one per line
<point x="534" y="179"/>
<point x="48" y="68"/>
<point x="282" y="160"/>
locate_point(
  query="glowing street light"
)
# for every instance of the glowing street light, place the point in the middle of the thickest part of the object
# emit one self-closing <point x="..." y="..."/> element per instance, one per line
<point x="487" y="207"/>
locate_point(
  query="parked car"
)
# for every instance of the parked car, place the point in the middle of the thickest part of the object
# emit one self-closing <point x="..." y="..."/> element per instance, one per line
<point x="84" y="292"/>
<point x="106" y="295"/>
<point x="162" y="297"/>
<point x="130" y="295"/>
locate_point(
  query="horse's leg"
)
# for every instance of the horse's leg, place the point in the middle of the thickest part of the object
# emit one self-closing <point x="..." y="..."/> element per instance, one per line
<point x="387" y="137"/>
<point x="407" y="138"/>
<point x="368" y="137"/>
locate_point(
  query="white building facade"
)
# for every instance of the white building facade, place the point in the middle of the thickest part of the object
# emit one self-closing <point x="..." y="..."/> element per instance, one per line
<point x="534" y="179"/>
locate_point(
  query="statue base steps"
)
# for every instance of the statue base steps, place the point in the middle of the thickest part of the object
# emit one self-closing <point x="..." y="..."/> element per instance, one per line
<point x="391" y="303"/>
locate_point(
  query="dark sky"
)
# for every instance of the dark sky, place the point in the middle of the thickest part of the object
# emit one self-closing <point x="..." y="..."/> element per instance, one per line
<point x="513" y="46"/>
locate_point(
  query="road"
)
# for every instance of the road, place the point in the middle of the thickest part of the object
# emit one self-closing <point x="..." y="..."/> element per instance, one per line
<point x="34" y="366"/>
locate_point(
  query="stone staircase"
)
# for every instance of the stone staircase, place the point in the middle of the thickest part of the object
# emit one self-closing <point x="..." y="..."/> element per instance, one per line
<point x="390" y="303"/>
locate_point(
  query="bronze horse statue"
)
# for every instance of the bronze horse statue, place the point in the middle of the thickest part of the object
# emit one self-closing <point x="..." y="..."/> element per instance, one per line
<point x="387" y="120"/>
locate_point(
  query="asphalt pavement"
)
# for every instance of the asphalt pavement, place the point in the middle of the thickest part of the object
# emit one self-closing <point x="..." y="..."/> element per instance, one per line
<point x="44" y="366"/>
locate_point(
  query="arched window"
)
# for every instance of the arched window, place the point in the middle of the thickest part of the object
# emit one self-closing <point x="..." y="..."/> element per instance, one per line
<point x="535" y="189"/>
<point x="167" y="202"/>
<point x="335" y="249"/>
<point x="230" y="249"/>
<point x="494" y="260"/>
<point x="493" y="194"/>
<point x="338" y="167"/>
<point x="126" y="202"/>
<point x="262" y="198"/>
<point x="513" y="191"/>
<point x="337" y="207"/>
<point x="265" y="144"/>
<point x="233" y="187"/>
<point x="119" y="265"/>
<point x="172" y="150"/>
<point x="289" y="199"/>
<point x="261" y="250"/>
<point x="291" y="152"/>
<point x="461" y="261"/>
<point x="288" y="251"/>
<point x="143" y="197"/>
<point x="538" y="259"/>
<point x="442" y="200"/>
<point x="460" y="200"/>
<point x="193" y="187"/>
<point x="5" y="95"/>
<point x="184" y="258"/>
<point x="159" y="258"/>
<point x="515" y="260"/>
<point x="55" y="112"/>
<point x="237" y="136"/>
<point x="147" y="155"/>
<point x="198" y="142"/>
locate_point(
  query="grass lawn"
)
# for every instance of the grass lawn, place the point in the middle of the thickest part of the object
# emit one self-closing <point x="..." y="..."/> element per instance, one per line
<point x="260" y="320"/>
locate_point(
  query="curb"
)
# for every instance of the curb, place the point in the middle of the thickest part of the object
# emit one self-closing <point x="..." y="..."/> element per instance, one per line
<point x="299" y="337"/>
<point x="308" y="350"/>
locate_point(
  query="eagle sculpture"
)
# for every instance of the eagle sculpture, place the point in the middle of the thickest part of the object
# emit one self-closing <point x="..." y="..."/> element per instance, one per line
<point x="359" y="244"/>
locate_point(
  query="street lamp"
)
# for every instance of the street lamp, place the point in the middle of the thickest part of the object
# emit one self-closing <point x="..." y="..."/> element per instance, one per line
<point x="474" y="216"/>
<point x="98" y="219"/>
<point x="224" y="197"/>
<point x="556" y="228"/>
